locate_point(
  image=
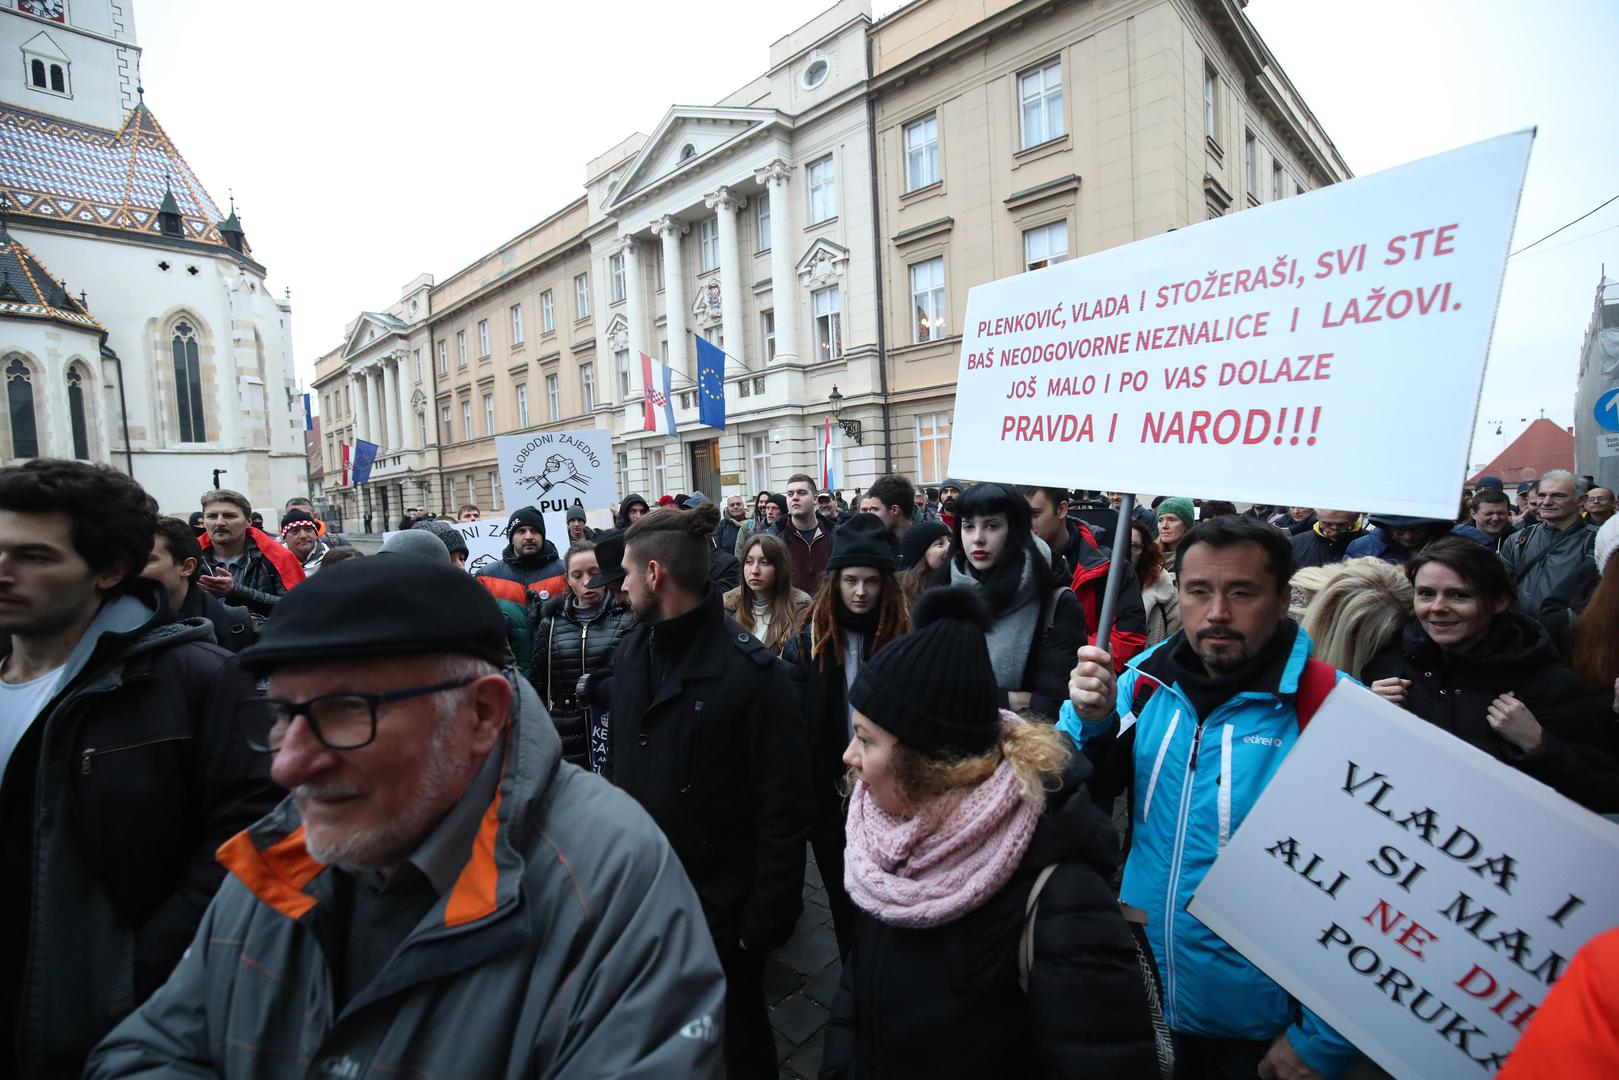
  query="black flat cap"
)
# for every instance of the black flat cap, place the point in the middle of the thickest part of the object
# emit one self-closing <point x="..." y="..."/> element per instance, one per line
<point x="609" y="561"/>
<point x="381" y="607"/>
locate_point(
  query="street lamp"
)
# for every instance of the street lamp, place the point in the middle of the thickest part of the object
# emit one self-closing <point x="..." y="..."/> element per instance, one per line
<point x="851" y="428"/>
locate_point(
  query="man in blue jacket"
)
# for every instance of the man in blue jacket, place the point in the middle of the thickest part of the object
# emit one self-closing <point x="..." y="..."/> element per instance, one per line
<point x="1195" y="728"/>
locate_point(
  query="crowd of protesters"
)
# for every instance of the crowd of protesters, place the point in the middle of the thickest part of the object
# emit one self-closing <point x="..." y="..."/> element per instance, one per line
<point x="269" y="814"/>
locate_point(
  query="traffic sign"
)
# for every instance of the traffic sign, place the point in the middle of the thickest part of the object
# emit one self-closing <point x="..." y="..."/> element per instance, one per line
<point x="1607" y="410"/>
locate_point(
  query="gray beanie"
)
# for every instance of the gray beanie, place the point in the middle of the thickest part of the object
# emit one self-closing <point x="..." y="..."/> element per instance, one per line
<point x="449" y="534"/>
<point x="422" y="545"/>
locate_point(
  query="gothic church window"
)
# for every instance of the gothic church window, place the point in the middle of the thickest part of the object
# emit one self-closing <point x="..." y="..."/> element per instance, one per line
<point x="76" y="414"/>
<point x="20" y="398"/>
<point x="188" y="383"/>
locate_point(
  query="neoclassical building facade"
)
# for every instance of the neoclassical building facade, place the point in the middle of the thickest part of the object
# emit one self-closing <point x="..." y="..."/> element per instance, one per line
<point x="135" y="325"/>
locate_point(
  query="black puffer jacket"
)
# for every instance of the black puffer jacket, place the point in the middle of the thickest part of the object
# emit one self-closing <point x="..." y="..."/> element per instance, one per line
<point x="945" y="1001"/>
<point x="1453" y="690"/>
<point x="567" y="646"/>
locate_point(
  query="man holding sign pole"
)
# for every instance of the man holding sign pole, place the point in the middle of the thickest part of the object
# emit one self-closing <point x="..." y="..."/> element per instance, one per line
<point x="1195" y="728"/>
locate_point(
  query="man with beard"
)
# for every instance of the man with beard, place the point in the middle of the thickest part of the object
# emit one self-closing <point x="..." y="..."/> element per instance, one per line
<point x="528" y="573"/>
<point x="949" y="492"/>
<point x="1216" y="708"/>
<point x="706" y="735"/>
<point x="440" y="895"/>
<point x="246" y="565"/>
<point x="120" y="771"/>
<point x="300" y="534"/>
<point x="175" y="563"/>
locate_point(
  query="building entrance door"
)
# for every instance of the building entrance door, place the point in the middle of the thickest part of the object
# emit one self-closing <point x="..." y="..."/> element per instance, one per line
<point x="705" y="468"/>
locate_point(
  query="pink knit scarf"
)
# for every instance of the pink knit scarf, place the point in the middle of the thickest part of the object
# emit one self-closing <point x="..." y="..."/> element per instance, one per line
<point x="937" y="865"/>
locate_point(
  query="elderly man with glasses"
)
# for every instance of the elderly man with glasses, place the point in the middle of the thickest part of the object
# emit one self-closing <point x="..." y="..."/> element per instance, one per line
<point x="439" y="895"/>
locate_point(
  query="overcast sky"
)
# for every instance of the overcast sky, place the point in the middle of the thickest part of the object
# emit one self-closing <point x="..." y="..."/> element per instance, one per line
<point x="369" y="141"/>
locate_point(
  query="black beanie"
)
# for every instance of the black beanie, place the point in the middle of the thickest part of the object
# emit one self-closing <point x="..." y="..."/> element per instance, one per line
<point x="781" y="504"/>
<point x="527" y="515"/>
<point x="918" y="538"/>
<point x="863" y="540"/>
<point x="933" y="689"/>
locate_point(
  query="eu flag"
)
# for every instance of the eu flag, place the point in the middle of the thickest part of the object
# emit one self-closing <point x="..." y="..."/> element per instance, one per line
<point x="365" y="455"/>
<point x="710" y="385"/>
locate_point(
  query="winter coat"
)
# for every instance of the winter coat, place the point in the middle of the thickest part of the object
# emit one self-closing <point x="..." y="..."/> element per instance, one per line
<point x="1310" y="548"/>
<point x="724" y="572"/>
<point x="264" y="579"/>
<point x="1540" y="557"/>
<point x="1453" y="691"/>
<point x="1163" y="607"/>
<point x="732" y="599"/>
<point x="706" y="737"/>
<point x="728" y="533"/>
<point x="1472" y="532"/>
<point x="742" y="533"/>
<point x="111" y="808"/>
<point x="1084" y="565"/>
<point x="570" y="945"/>
<point x="825" y="695"/>
<point x="1567" y="601"/>
<point x="945" y="1001"/>
<point x="565" y="648"/>
<point x="312" y="563"/>
<point x="234" y="627"/>
<point x="1059" y="630"/>
<point x="520" y="584"/>
<point x="623" y="519"/>
<point x="1379" y="544"/>
<point x="1572" y="1035"/>
<point x="809" y="559"/>
<point x="1182" y="815"/>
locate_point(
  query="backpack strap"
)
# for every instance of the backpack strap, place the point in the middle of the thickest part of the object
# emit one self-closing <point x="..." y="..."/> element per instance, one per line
<point x="1315" y="683"/>
<point x="1025" y="947"/>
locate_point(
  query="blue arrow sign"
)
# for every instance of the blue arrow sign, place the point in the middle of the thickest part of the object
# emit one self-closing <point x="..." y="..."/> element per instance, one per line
<point x="1607" y="410"/>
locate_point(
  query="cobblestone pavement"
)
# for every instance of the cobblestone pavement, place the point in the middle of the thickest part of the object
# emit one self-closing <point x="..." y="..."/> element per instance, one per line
<point x="800" y="978"/>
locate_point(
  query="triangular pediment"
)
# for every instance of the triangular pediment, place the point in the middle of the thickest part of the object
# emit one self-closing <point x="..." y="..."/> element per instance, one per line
<point x="369" y="328"/>
<point x="823" y="263"/>
<point x="41" y="45"/>
<point x="685" y="140"/>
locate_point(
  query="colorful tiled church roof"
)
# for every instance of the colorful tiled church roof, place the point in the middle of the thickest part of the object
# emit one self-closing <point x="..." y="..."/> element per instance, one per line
<point x="66" y="171"/>
<point x="29" y="291"/>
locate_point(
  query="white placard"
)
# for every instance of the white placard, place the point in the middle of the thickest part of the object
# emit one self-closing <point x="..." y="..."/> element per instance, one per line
<point x="1414" y="892"/>
<point x="556" y="471"/>
<point x="486" y="540"/>
<point x="1607" y="444"/>
<point x="1270" y="355"/>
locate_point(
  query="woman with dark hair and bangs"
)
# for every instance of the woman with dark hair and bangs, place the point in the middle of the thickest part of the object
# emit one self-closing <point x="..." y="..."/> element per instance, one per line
<point x="1038" y="623"/>
<point x="765" y="604"/>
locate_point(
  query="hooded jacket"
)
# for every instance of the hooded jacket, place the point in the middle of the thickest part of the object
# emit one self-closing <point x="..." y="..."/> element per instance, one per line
<point x="945" y="1000"/>
<point x="570" y="945"/>
<point x="270" y="571"/>
<point x="1541" y="556"/>
<point x="111" y="807"/>
<point x="520" y="583"/>
<point x="234" y="627"/>
<point x="1453" y="691"/>
<point x="1182" y="814"/>
<point x="1084" y="564"/>
<point x="623" y="520"/>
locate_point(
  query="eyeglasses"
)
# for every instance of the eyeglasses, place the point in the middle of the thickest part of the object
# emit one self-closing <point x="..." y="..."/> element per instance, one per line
<point x="1335" y="527"/>
<point x="345" y="721"/>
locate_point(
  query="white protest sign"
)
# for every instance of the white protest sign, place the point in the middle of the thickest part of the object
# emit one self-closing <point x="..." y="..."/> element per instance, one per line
<point x="1607" y="444"/>
<point x="1417" y="894"/>
<point x="486" y="541"/>
<point x="1301" y="353"/>
<point x="556" y="471"/>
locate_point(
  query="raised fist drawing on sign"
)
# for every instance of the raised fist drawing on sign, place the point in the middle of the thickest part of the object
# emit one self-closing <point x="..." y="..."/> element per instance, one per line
<point x="559" y="470"/>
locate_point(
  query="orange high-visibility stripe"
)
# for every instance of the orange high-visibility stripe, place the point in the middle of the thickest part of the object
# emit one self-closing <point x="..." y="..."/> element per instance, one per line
<point x="473" y="895"/>
<point x="278" y="874"/>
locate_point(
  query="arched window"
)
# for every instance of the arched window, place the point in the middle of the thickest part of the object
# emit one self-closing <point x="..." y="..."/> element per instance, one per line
<point x="36" y="73"/>
<point x="188" y="383"/>
<point x="76" y="414"/>
<point x="58" y="79"/>
<point x="20" y="397"/>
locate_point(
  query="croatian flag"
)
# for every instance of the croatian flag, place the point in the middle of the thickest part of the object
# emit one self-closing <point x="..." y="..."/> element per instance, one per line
<point x="829" y="476"/>
<point x="657" y="397"/>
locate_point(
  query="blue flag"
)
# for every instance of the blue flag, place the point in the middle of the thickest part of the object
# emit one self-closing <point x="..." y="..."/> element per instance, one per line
<point x="710" y="385"/>
<point x="365" y="454"/>
<point x="309" y="420"/>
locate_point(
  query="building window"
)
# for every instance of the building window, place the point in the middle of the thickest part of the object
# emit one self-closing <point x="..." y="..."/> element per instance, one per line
<point x="448" y="434"/>
<point x="548" y="313"/>
<point x="615" y="277"/>
<point x="1045" y="246"/>
<point x="466" y="419"/>
<point x="58" y="79"/>
<point x="494" y="489"/>
<point x="20" y="398"/>
<point x="460" y="348"/>
<point x="522" y="405"/>
<point x="1040" y="103"/>
<point x="621" y="364"/>
<point x="823" y="190"/>
<point x="1278" y="180"/>
<point x="1211" y="105"/>
<point x="36" y="73"/>
<point x="759" y="462"/>
<point x="188" y="383"/>
<point x="714" y="335"/>
<point x="517" y="324"/>
<point x="443" y="359"/>
<point x="581" y="296"/>
<point x="451" y="503"/>
<point x="767" y="331"/>
<point x="416" y="359"/>
<point x="489" y="414"/>
<point x="623" y="461"/>
<point x="553" y="397"/>
<point x="688" y="152"/>
<point x="483" y="338"/>
<point x="922" y="153"/>
<point x="659" y="474"/>
<point x="421" y="427"/>
<point x="1250" y="163"/>
<point x="761" y="217"/>
<point x="663" y="350"/>
<point x="927" y="300"/>
<point x="828" y="323"/>
<point x="708" y="245"/>
<point x="932" y="447"/>
<point x="77" y="419"/>
<point x="587" y="386"/>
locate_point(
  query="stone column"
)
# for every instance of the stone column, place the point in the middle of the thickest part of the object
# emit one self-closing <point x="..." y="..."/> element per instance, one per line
<point x="390" y="398"/>
<point x="373" y="400"/>
<point x="725" y="204"/>
<point x="783" y="276"/>
<point x="634" y="306"/>
<point x="407" y="416"/>
<point x="362" y="429"/>
<point x="674" y="293"/>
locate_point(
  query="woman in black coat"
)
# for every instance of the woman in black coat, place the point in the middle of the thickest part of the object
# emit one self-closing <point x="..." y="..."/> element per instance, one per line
<point x="952" y="824"/>
<point x="1471" y="663"/>
<point x="577" y="634"/>
<point x="1038" y="623"/>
